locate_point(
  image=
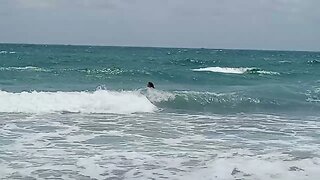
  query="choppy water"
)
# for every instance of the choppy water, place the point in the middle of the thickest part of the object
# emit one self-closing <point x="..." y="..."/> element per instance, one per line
<point x="83" y="112"/>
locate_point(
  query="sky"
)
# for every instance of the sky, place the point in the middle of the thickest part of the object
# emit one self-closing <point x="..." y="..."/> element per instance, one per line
<point x="228" y="24"/>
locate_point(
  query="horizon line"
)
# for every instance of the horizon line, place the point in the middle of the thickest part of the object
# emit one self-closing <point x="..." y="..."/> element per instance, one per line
<point x="163" y="47"/>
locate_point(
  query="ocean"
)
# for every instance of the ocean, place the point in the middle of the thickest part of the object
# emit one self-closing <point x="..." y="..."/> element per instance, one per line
<point x="84" y="112"/>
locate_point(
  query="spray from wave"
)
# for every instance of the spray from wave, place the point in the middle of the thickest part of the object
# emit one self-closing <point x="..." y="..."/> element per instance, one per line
<point x="239" y="70"/>
<point x="100" y="101"/>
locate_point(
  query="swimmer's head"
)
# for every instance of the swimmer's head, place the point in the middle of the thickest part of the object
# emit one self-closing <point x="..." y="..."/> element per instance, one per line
<point x="150" y="85"/>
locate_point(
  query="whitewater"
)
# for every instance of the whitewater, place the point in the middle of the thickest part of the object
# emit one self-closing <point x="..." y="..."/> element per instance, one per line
<point x="84" y="112"/>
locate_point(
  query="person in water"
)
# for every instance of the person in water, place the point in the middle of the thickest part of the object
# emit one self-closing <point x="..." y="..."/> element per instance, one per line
<point x="150" y="85"/>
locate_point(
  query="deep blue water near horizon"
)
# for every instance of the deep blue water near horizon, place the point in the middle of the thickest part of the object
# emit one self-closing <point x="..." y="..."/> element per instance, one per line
<point x="83" y="112"/>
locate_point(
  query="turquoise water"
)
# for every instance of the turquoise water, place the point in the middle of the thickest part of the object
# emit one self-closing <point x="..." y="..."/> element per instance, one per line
<point x="75" y="112"/>
<point x="277" y="81"/>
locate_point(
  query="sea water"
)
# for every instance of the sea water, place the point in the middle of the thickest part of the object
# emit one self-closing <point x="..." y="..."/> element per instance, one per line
<point x="84" y="112"/>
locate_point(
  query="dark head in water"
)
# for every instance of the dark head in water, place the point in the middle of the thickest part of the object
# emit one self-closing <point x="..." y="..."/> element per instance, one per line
<point x="150" y="85"/>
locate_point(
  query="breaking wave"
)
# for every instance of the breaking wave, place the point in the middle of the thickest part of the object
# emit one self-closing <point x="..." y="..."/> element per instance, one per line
<point x="239" y="70"/>
<point x="100" y="101"/>
<point x="149" y="100"/>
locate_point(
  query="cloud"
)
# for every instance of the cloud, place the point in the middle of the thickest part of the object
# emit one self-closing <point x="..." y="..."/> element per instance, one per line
<point x="34" y="3"/>
<point x="266" y="24"/>
<point x="65" y="4"/>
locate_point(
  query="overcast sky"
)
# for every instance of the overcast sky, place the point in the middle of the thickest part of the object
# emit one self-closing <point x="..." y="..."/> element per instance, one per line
<point x="244" y="24"/>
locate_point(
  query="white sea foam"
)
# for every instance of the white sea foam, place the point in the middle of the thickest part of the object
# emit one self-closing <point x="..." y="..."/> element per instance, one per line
<point x="246" y="168"/>
<point x="239" y="70"/>
<point x="100" y="101"/>
<point x="158" y="146"/>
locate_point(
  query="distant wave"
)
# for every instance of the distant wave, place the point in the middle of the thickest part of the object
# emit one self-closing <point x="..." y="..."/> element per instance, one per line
<point x="26" y="68"/>
<point x="110" y="71"/>
<point x="314" y="62"/>
<point x="285" y="62"/>
<point x="5" y="52"/>
<point x="87" y="71"/>
<point x="100" y="101"/>
<point x="239" y="70"/>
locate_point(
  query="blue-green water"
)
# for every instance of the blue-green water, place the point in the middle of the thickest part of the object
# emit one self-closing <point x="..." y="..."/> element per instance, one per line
<point x="274" y="81"/>
<point x="85" y="112"/>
